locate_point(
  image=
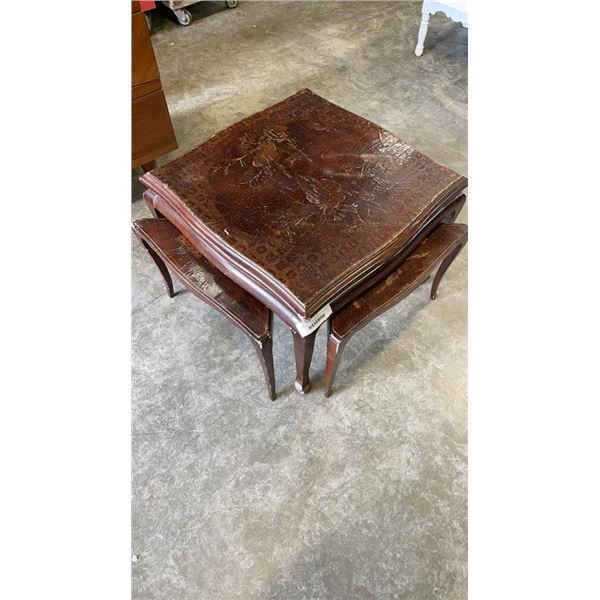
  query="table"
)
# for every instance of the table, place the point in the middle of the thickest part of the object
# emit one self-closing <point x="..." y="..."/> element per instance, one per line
<point x="305" y="205"/>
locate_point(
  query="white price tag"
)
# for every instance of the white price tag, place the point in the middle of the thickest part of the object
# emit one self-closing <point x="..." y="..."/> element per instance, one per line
<point x="306" y="327"/>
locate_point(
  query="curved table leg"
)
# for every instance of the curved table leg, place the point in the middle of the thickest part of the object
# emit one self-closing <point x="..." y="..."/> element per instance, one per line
<point x="450" y="214"/>
<point x="442" y="270"/>
<point x="155" y="213"/>
<point x="162" y="268"/>
<point x="264" y="351"/>
<point x="335" y="347"/>
<point x="303" y="351"/>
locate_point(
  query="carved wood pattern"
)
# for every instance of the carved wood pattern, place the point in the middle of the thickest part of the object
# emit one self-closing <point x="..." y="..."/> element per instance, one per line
<point x="305" y="196"/>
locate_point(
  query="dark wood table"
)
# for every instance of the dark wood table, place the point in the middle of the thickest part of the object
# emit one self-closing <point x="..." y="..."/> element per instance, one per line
<point x="305" y="205"/>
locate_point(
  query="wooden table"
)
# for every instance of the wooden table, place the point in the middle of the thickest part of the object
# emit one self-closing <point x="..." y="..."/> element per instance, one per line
<point x="305" y="205"/>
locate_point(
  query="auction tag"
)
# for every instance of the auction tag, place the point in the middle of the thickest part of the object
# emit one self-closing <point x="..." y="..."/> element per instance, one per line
<point x="306" y="327"/>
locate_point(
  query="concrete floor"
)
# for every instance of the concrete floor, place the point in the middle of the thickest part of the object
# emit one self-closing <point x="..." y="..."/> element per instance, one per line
<point x="360" y="496"/>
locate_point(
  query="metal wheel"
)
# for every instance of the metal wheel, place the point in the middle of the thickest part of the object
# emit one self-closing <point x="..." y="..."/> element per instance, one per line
<point x="183" y="16"/>
<point x="231" y="3"/>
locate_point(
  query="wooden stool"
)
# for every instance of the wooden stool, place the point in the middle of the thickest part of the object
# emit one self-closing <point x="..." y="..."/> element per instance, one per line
<point x="166" y="244"/>
<point x="443" y="244"/>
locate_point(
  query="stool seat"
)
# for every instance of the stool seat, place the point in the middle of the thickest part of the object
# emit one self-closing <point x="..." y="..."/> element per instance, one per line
<point x="168" y="247"/>
<point x="204" y="280"/>
<point x="442" y="245"/>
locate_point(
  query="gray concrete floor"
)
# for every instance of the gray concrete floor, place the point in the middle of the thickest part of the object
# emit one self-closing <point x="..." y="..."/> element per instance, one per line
<point x="360" y="496"/>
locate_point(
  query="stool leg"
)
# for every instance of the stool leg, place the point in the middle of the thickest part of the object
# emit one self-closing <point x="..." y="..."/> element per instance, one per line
<point x="162" y="268"/>
<point x="442" y="270"/>
<point x="264" y="351"/>
<point x="303" y="351"/>
<point x="335" y="348"/>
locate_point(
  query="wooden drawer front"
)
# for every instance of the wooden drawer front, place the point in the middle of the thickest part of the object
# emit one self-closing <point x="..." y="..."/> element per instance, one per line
<point x="143" y="64"/>
<point x="151" y="126"/>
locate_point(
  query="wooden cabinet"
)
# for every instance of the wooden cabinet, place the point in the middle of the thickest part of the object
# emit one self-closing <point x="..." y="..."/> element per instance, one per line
<point x="152" y="130"/>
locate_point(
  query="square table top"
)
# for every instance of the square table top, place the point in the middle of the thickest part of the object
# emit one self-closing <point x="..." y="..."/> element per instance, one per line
<point x="304" y="197"/>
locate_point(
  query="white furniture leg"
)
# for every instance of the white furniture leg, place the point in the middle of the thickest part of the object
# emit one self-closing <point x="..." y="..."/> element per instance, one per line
<point x="453" y="9"/>
<point x="422" y="33"/>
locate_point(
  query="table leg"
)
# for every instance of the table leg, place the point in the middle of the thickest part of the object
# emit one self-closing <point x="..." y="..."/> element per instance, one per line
<point x="264" y="351"/>
<point x="335" y="347"/>
<point x="422" y="32"/>
<point x="303" y="351"/>
<point x="150" y="204"/>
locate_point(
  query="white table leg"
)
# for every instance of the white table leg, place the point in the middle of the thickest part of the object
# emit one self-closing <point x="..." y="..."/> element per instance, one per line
<point x="422" y="34"/>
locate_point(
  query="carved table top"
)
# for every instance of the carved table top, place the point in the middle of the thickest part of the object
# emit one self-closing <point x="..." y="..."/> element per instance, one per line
<point x="300" y="201"/>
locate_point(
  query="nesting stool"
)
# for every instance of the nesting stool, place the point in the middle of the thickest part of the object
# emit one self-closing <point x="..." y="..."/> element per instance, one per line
<point x="170" y="250"/>
<point x="443" y="244"/>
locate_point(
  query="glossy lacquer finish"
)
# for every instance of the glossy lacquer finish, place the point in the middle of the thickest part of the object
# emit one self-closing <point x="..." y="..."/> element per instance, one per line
<point x="299" y="202"/>
<point x="304" y="204"/>
<point x="441" y="247"/>
<point x="170" y="250"/>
